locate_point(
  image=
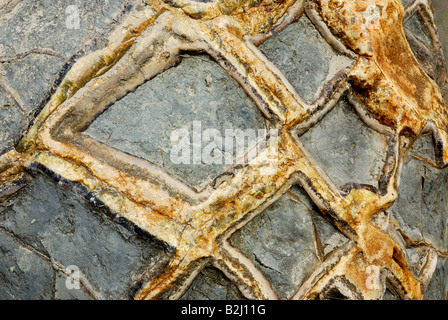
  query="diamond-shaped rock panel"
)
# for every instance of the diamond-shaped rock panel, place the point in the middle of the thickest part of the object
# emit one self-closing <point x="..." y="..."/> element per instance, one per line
<point x="424" y="147"/>
<point x="280" y="241"/>
<point x="346" y="149"/>
<point x="69" y="232"/>
<point x="195" y="96"/>
<point x="304" y="57"/>
<point x="212" y="284"/>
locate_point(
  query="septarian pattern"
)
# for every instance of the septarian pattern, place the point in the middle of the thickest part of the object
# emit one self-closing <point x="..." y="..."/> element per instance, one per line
<point x="391" y="92"/>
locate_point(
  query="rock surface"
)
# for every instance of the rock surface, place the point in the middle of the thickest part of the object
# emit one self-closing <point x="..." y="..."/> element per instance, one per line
<point x="66" y="231"/>
<point x="45" y="229"/>
<point x="307" y="61"/>
<point x="194" y="96"/>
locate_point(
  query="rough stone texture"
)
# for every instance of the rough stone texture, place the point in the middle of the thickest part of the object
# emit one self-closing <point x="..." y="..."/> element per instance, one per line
<point x="307" y="61"/>
<point x="438" y="287"/>
<point x="416" y="26"/>
<point x="290" y="223"/>
<point x="212" y="284"/>
<point x="31" y="77"/>
<point x="422" y="204"/>
<point x="23" y="273"/>
<point x="198" y="89"/>
<point x="63" y="228"/>
<point x="345" y="148"/>
<point x="42" y="24"/>
<point x="12" y="121"/>
<point x="440" y="10"/>
<point x="406" y="3"/>
<point x="44" y="228"/>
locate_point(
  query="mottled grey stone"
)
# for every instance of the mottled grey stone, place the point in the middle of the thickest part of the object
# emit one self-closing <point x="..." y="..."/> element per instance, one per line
<point x="345" y="148"/>
<point x="330" y="237"/>
<point x="60" y="225"/>
<point x="407" y="3"/>
<point x="12" y="121"/>
<point x="438" y="286"/>
<point x="424" y="147"/>
<point x="440" y="14"/>
<point x="212" y="284"/>
<point x="280" y="243"/>
<point x="23" y="273"/>
<point x="422" y="204"/>
<point x="389" y="295"/>
<point x="416" y="26"/>
<point x="198" y="89"/>
<point x="304" y="57"/>
<point x="42" y="24"/>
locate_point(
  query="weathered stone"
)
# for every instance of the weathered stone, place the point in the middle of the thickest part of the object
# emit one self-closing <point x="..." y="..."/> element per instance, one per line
<point x="12" y="121"/>
<point x="48" y="228"/>
<point x="73" y="291"/>
<point x="307" y="61"/>
<point x="212" y="284"/>
<point x="422" y="204"/>
<point x="47" y="25"/>
<point x="289" y="223"/>
<point x="31" y="77"/>
<point x="407" y="3"/>
<point x="24" y="275"/>
<point x="61" y="226"/>
<point x="345" y="148"/>
<point x="440" y="10"/>
<point x="197" y="90"/>
<point x="438" y="287"/>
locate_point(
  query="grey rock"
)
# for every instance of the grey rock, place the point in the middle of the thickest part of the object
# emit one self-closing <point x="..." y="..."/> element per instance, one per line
<point x="45" y="224"/>
<point x="345" y="148"/>
<point x="12" y="121"/>
<point x="416" y="26"/>
<point x="407" y="3"/>
<point x="389" y="295"/>
<point x="31" y="77"/>
<point x="284" y="222"/>
<point x="440" y="10"/>
<point x="43" y="24"/>
<point x="73" y="291"/>
<point x="24" y="274"/>
<point x="424" y="147"/>
<point x="438" y="287"/>
<point x="212" y="284"/>
<point x="422" y="204"/>
<point x="61" y="226"/>
<point x="304" y="57"/>
<point x="199" y="90"/>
